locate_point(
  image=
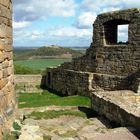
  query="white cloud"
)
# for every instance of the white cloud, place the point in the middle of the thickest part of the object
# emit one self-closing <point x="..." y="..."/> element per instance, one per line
<point x="85" y="20"/>
<point x="70" y="32"/>
<point x="100" y="6"/>
<point x="28" y="11"/>
<point x="104" y="10"/>
<point x="89" y="10"/>
<point x="21" y="24"/>
<point x="130" y="3"/>
<point x="28" y="35"/>
<point x="37" y="35"/>
<point x="67" y="36"/>
<point x="34" y="9"/>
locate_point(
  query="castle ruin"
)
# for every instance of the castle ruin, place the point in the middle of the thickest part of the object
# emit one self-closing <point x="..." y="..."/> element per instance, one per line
<point x="7" y="94"/>
<point x="109" y="72"/>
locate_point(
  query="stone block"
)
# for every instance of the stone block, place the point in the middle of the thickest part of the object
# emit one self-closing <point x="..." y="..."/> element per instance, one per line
<point x="1" y="46"/>
<point x="1" y="120"/>
<point x="8" y="47"/>
<point x="3" y="82"/>
<point x="8" y="55"/>
<point x="5" y="64"/>
<point x="9" y="111"/>
<point x="5" y="2"/>
<point x="5" y="12"/>
<point x="1" y="74"/>
<point x="5" y="73"/>
<point x="1" y="56"/>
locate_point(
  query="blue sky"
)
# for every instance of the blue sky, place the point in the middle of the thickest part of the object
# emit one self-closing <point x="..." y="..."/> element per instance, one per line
<point x="61" y="22"/>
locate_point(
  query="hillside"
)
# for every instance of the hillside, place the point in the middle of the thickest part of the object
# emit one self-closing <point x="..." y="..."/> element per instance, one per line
<point x="46" y="52"/>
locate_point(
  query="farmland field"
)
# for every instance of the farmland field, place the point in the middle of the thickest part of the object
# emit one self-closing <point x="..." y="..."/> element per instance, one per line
<point x="40" y="64"/>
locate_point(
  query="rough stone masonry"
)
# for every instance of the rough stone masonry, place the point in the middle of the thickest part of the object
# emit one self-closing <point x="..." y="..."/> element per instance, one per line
<point x="7" y="94"/>
<point x="107" y="66"/>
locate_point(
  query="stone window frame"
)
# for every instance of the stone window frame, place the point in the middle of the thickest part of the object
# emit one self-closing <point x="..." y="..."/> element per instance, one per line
<point x="110" y="35"/>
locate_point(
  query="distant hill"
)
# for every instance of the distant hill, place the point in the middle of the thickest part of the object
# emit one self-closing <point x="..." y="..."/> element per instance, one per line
<point x="46" y="52"/>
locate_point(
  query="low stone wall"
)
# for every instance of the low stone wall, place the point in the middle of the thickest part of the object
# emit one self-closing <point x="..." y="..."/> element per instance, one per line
<point x="28" y="83"/>
<point x="68" y="82"/>
<point x="119" y="106"/>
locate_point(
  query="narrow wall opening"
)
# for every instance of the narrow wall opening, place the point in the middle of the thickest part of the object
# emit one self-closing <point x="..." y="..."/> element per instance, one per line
<point x="116" y="32"/>
<point x="122" y="35"/>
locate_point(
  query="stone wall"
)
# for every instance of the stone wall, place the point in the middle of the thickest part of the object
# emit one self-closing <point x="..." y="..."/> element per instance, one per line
<point x="69" y="82"/>
<point x="119" y="106"/>
<point x="106" y="66"/>
<point x="7" y="94"/>
<point x="28" y="83"/>
<point x="117" y="63"/>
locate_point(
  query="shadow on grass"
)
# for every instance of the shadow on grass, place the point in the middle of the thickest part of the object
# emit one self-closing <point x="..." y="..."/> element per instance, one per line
<point x="52" y="91"/>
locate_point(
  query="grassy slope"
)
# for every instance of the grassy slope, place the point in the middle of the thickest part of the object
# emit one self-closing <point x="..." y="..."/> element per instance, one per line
<point x="47" y="99"/>
<point x="52" y="51"/>
<point x="24" y="65"/>
<point x="44" y="51"/>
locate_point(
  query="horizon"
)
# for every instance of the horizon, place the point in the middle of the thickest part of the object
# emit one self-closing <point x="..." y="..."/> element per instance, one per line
<point x="65" y="23"/>
<point x="31" y="47"/>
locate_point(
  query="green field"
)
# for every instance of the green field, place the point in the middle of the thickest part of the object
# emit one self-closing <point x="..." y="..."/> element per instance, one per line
<point x="47" y="98"/>
<point x="40" y="64"/>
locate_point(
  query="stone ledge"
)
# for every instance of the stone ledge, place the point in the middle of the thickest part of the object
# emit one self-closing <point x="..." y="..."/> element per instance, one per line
<point x="120" y="106"/>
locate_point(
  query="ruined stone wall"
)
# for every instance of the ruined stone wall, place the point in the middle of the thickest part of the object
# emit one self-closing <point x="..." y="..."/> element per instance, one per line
<point x="113" y="65"/>
<point x="28" y="83"/>
<point x="68" y="82"/>
<point x="107" y="68"/>
<point x="119" y="106"/>
<point x="113" y="58"/>
<point x="7" y="95"/>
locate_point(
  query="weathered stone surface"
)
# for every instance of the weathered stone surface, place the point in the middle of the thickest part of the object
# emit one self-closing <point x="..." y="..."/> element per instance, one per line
<point x="1" y="120"/>
<point x="28" y="83"/>
<point x="31" y="132"/>
<point x="74" y="127"/>
<point x="1" y="46"/>
<point x="8" y="55"/>
<point x="3" y="82"/>
<point x="1" y="74"/>
<point x="7" y="97"/>
<point x="1" y="57"/>
<point x="106" y="66"/>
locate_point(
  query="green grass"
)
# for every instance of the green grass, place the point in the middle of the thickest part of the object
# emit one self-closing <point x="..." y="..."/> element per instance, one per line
<point x="47" y="99"/>
<point x="56" y="114"/>
<point x="18" y="69"/>
<point x="40" y="64"/>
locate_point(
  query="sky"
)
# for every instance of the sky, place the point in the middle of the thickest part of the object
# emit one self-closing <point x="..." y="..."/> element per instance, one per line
<point x="61" y="22"/>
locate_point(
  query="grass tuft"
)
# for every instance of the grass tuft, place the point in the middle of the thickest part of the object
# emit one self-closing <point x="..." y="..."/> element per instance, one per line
<point x="55" y="114"/>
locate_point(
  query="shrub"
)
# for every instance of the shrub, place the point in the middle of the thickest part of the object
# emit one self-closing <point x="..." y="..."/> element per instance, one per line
<point x="18" y="69"/>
